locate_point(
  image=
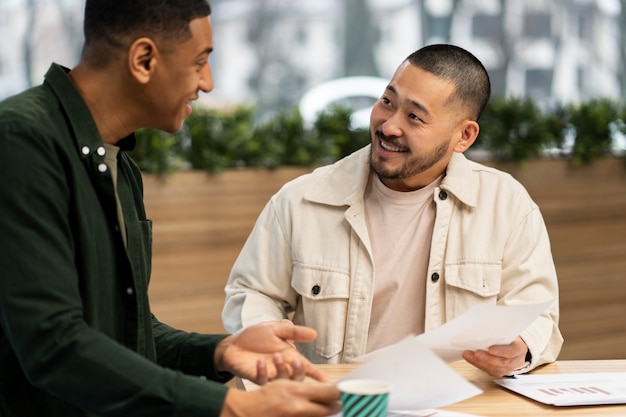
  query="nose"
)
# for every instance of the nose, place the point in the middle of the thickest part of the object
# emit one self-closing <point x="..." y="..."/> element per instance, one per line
<point x="206" y="79"/>
<point x="392" y="125"/>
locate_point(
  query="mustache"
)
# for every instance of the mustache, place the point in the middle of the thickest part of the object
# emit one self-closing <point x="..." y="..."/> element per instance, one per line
<point x="380" y="135"/>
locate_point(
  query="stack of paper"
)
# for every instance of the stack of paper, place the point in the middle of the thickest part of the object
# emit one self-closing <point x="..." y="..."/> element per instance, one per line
<point x="570" y="389"/>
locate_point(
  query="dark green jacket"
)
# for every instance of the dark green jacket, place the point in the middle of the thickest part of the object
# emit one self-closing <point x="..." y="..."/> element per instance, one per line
<point x="76" y="332"/>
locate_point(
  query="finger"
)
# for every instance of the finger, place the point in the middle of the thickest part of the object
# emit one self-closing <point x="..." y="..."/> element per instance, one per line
<point x="312" y="371"/>
<point x="317" y="409"/>
<point x="307" y="367"/>
<point x="323" y="393"/>
<point x="261" y="372"/>
<point x="304" y="334"/>
<point x="515" y="349"/>
<point x="282" y="369"/>
<point x="494" y="366"/>
<point x="297" y="371"/>
<point x="288" y="331"/>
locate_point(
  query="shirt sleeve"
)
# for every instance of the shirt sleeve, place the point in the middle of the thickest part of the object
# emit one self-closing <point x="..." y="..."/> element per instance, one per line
<point x="256" y="290"/>
<point x="529" y="276"/>
<point x="190" y="353"/>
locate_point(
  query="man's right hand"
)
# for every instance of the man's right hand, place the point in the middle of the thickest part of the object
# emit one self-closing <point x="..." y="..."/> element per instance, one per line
<point x="283" y="398"/>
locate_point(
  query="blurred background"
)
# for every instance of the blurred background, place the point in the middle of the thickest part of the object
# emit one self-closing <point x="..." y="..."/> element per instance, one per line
<point x="270" y="52"/>
<point x="555" y="122"/>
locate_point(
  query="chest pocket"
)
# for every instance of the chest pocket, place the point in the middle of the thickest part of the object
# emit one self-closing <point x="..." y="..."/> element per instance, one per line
<point x="468" y="285"/>
<point x="322" y="305"/>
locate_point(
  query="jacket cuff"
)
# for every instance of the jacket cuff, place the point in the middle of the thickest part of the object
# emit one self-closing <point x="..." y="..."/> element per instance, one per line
<point x="199" y="357"/>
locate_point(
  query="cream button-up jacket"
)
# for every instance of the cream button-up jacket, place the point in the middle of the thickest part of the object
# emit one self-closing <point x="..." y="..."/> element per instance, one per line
<point x="309" y="258"/>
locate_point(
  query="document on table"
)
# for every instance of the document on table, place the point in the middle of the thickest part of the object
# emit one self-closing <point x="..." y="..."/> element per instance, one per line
<point x="424" y="413"/>
<point x="420" y="379"/>
<point x="570" y="389"/>
<point x="429" y="413"/>
<point x="480" y="327"/>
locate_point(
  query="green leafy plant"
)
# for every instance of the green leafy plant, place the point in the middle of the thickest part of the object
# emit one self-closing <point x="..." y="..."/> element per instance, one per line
<point x="332" y="128"/>
<point x="512" y="129"/>
<point x="157" y="151"/>
<point x="218" y="139"/>
<point x="283" y="140"/>
<point x="515" y="129"/>
<point x="591" y="122"/>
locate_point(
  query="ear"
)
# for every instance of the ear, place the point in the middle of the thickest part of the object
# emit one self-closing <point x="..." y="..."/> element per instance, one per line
<point x="467" y="135"/>
<point x="142" y="59"/>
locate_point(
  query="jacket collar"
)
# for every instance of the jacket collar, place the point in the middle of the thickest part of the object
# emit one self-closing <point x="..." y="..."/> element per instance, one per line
<point x="343" y="183"/>
<point x="459" y="180"/>
<point x="86" y="135"/>
<point x="87" y="139"/>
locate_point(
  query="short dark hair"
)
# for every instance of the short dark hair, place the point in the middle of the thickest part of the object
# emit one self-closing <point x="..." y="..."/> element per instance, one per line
<point x="110" y="23"/>
<point x="464" y="70"/>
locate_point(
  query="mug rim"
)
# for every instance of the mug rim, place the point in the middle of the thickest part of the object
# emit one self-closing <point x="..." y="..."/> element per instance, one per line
<point x="364" y="386"/>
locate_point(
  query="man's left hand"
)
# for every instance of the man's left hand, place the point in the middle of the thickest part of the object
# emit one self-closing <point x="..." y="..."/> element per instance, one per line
<point x="266" y="351"/>
<point x="499" y="360"/>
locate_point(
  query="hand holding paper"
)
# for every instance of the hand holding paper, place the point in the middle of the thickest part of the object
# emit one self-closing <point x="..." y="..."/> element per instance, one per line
<point x="481" y="327"/>
<point x="499" y="360"/>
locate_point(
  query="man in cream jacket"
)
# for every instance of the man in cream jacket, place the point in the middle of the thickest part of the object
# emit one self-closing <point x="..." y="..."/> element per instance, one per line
<point x="405" y="234"/>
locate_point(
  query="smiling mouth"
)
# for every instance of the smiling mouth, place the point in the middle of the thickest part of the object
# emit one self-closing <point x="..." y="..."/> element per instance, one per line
<point x="390" y="147"/>
<point x="387" y="143"/>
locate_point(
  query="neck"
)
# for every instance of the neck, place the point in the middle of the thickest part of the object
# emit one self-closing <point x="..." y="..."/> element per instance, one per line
<point x="101" y="91"/>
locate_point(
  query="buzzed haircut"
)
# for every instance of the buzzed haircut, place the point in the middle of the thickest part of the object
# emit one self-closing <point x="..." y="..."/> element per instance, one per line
<point x="464" y="70"/>
<point x="109" y="23"/>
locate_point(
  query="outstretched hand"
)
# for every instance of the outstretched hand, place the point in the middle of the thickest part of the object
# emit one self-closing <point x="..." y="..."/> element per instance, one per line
<point x="266" y="351"/>
<point x="499" y="360"/>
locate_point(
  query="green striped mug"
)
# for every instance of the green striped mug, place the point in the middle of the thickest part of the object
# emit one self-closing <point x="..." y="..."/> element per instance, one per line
<point x="364" y="397"/>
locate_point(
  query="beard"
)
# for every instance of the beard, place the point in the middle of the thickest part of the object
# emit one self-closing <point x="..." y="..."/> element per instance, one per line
<point x="412" y="165"/>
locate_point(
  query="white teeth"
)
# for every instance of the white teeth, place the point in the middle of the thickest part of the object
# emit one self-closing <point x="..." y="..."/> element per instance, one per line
<point x="388" y="147"/>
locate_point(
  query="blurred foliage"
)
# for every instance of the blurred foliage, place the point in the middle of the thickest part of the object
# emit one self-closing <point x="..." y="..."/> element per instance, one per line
<point x="511" y="129"/>
<point x="515" y="129"/>
<point x="157" y="151"/>
<point x="592" y="122"/>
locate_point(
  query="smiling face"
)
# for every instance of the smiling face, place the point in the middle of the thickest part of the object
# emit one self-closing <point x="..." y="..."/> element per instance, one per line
<point x="415" y="127"/>
<point x="183" y="71"/>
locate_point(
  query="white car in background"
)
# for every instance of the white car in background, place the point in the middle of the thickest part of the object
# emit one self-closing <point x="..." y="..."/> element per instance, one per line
<point x="363" y="90"/>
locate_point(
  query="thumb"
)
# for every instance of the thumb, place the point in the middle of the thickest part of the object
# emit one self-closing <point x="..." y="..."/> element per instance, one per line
<point x="285" y="329"/>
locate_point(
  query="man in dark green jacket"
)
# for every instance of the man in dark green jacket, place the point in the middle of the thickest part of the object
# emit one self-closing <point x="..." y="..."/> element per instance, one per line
<point x="76" y="334"/>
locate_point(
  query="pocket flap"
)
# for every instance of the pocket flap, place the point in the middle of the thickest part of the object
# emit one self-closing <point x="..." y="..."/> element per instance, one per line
<point x="320" y="283"/>
<point x="481" y="279"/>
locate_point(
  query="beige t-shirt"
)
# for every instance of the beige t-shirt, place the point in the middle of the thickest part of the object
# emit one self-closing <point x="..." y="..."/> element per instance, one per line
<point x="400" y="226"/>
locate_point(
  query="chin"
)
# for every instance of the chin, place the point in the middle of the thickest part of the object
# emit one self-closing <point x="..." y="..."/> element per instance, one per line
<point x="173" y="128"/>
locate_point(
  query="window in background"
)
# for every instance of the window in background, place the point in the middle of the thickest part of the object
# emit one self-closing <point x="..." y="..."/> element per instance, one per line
<point x="537" y="25"/>
<point x="539" y="83"/>
<point x="487" y="26"/>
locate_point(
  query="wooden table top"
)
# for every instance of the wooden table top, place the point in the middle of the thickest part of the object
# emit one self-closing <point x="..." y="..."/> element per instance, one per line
<point x="496" y="401"/>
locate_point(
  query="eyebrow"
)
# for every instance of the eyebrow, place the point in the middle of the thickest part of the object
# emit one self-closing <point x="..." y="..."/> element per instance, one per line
<point x="414" y="103"/>
<point x="207" y="51"/>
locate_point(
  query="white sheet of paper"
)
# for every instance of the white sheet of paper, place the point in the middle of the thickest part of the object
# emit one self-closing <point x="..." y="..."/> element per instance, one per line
<point x="429" y="413"/>
<point x="570" y="389"/>
<point x="419" y="378"/>
<point x="480" y="327"/>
